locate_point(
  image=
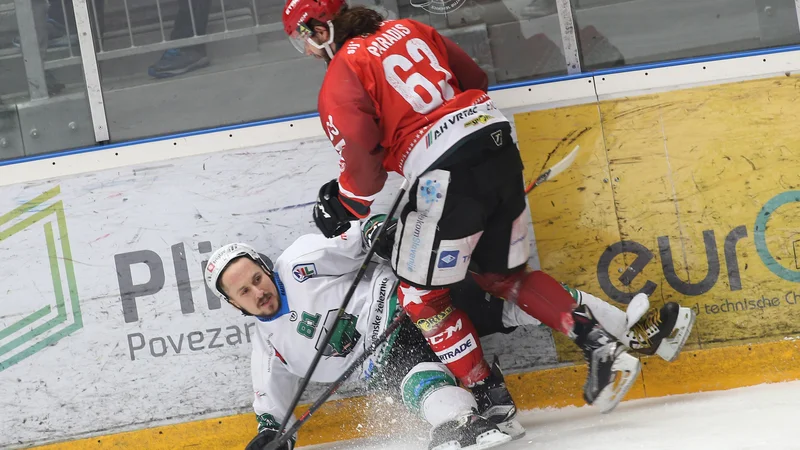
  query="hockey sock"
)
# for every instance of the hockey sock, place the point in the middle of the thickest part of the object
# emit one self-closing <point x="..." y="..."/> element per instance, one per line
<point x="536" y="293"/>
<point x="514" y="316"/>
<point x="431" y="391"/>
<point x="449" y="331"/>
<point x="611" y="318"/>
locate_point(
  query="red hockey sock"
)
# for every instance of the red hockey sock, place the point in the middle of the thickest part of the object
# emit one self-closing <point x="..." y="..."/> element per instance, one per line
<point x="449" y="331"/>
<point x="536" y="293"/>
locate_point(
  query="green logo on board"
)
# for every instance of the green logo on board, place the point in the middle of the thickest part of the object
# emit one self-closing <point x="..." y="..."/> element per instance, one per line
<point x="52" y="313"/>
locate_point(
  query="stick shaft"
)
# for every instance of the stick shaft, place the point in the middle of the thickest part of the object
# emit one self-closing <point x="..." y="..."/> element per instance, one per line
<point x="338" y="383"/>
<point x="327" y="338"/>
<point x="543" y="177"/>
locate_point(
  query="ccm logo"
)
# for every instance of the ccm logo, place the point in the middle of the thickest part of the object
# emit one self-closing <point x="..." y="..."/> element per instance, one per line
<point x="446" y="334"/>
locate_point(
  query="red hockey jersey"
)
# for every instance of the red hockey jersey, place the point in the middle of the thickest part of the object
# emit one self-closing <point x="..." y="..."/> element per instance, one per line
<point x="396" y="101"/>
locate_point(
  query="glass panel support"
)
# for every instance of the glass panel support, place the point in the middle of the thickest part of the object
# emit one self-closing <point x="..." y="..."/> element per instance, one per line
<point x="569" y="36"/>
<point x="91" y="71"/>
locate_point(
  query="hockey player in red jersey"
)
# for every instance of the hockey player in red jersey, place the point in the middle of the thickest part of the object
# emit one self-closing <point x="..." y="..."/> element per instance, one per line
<point x="397" y="96"/>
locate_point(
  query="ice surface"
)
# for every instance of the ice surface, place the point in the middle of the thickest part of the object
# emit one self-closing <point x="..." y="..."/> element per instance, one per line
<point x="758" y="417"/>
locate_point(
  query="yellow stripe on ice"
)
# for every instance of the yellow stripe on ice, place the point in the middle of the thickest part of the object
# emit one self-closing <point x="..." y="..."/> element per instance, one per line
<point x="695" y="371"/>
<point x="335" y="421"/>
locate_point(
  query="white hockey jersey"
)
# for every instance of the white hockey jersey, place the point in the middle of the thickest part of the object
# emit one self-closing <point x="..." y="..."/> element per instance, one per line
<point x="313" y="276"/>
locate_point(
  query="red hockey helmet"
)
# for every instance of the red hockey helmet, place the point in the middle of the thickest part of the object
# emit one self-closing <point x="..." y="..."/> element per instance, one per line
<point x="299" y="12"/>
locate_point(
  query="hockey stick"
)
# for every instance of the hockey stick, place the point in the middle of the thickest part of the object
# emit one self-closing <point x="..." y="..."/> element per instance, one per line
<point x="557" y="168"/>
<point x="338" y="383"/>
<point x="327" y="339"/>
<point x="545" y="176"/>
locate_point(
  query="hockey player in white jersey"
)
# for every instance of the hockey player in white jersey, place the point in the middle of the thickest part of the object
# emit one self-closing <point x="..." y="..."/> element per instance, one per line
<point x="294" y="304"/>
<point x="299" y="298"/>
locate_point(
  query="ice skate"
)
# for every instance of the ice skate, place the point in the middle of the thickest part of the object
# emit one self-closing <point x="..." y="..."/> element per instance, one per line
<point x="495" y="403"/>
<point x="470" y="432"/>
<point x="662" y="332"/>
<point x="612" y="370"/>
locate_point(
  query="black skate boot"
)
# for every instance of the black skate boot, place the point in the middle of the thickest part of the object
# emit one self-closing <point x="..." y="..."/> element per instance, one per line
<point x="612" y="370"/>
<point x="662" y="332"/>
<point x="495" y="402"/>
<point x="470" y="432"/>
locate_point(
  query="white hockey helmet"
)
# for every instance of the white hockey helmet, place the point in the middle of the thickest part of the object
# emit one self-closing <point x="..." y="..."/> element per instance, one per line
<point x="220" y="260"/>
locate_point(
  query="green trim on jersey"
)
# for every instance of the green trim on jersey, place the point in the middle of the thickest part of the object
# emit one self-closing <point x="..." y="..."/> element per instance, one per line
<point x="391" y="313"/>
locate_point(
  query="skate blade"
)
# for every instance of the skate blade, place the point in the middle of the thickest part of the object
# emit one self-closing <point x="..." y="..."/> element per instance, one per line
<point x="626" y="368"/>
<point x="452" y="445"/>
<point x="488" y="440"/>
<point x="512" y="428"/>
<point x="671" y="346"/>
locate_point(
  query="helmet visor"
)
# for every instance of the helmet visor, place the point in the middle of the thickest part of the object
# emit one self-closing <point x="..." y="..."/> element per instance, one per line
<point x="301" y="36"/>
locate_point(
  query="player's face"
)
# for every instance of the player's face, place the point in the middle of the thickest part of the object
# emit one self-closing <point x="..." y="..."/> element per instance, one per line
<point x="321" y="36"/>
<point x="250" y="288"/>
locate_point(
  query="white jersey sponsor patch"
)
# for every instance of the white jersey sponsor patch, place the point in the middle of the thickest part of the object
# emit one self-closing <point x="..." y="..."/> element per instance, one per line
<point x="302" y="272"/>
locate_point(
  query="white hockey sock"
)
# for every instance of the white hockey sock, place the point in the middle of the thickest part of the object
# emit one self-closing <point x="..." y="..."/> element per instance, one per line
<point x="430" y="390"/>
<point x="613" y="319"/>
<point x="514" y="316"/>
<point x="447" y="403"/>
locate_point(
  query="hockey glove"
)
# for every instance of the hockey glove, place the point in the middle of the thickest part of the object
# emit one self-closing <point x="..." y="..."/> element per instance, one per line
<point x="267" y="432"/>
<point x="263" y="439"/>
<point x="331" y="217"/>
<point x="370" y="232"/>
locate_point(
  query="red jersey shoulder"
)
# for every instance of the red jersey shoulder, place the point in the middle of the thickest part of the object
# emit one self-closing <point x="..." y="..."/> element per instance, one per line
<point x="364" y="54"/>
<point x="348" y="60"/>
<point x="339" y="70"/>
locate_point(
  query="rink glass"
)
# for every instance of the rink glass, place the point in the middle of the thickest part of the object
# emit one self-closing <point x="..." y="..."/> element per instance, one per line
<point x="168" y="66"/>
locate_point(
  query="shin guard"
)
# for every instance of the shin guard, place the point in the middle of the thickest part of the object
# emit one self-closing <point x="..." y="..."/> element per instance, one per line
<point x="449" y="332"/>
